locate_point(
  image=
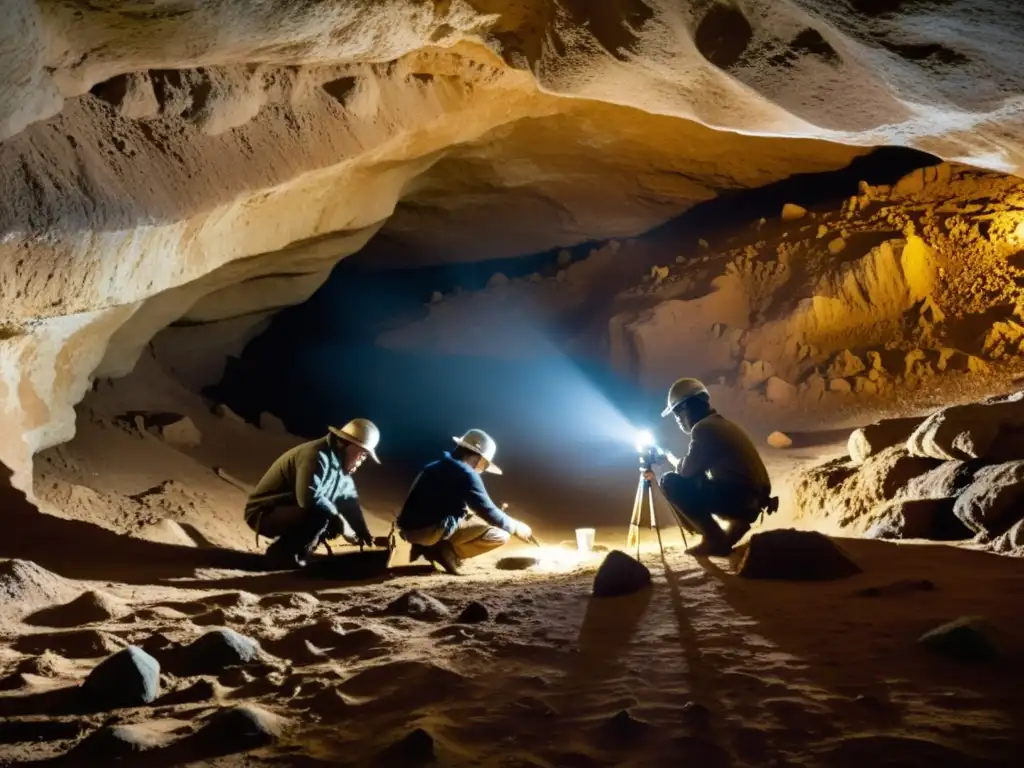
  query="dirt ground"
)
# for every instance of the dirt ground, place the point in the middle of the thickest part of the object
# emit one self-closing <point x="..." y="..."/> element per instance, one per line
<point x="705" y="668"/>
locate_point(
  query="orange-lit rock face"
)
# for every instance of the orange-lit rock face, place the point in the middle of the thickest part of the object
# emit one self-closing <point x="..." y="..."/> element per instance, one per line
<point x="213" y="160"/>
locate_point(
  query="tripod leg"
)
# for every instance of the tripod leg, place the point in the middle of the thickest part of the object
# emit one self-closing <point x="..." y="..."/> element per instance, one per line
<point x="682" y="528"/>
<point x="633" y="537"/>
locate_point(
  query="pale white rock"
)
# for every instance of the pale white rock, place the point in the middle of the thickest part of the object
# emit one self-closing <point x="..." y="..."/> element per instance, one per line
<point x="182" y="433"/>
<point x="792" y="212"/>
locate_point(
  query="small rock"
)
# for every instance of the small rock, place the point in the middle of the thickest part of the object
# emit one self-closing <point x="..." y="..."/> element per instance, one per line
<point x="753" y="374"/>
<point x="836" y="246"/>
<point x="114" y="743"/>
<point x="822" y="231"/>
<point x="418" y="605"/>
<point x="564" y="258"/>
<point x="703" y="244"/>
<point x="217" y="650"/>
<point x="780" y="391"/>
<point x="897" y="588"/>
<point x="212" y="618"/>
<point x="437" y="297"/>
<point x="474" y="613"/>
<point x="271" y="423"/>
<point x="842" y="386"/>
<point x="302" y="600"/>
<point x="794" y="556"/>
<point x="225" y="412"/>
<point x="497" y="280"/>
<point x="780" y="440"/>
<point x="620" y="574"/>
<point x="623" y="727"/>
<point x="792" y="212"/>
<point x="238" y="729"/>
<point x="129" y="678"/>
<point x="182" y="433"/>
<point x="416" y="748"/>
<point x="536" y="277"/>
<point x="965" y="639"/>
<point x="658" y="274"/>
<point x="680" y="259"/>
<point x="87" y="608"/>
<point x="911" y="184"/>
<point x="844" y="365"/>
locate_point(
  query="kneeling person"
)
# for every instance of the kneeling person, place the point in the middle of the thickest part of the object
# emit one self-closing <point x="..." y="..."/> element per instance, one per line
<point x="308" y="494"/>
<point x="436" y="518"/>
<point x="722" y="473"/>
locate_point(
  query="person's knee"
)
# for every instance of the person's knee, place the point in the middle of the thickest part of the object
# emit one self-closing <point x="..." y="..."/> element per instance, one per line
<point x="676" y="487"/>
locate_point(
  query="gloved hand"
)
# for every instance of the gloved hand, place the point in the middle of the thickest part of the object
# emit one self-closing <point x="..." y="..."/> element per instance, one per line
<point x="523" y="532"/>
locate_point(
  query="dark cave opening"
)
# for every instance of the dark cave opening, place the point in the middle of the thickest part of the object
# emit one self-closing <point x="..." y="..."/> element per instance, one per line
<point x="317" y="364"/>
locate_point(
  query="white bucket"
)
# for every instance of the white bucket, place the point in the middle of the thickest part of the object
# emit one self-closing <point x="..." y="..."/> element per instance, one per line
<point x="585" y="539"/>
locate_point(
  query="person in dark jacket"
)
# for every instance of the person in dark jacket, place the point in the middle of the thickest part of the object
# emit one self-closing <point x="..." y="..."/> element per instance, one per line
<point x="721" y="475"/>
<point x="308" y="495"/>
<point x="436" y="517"/>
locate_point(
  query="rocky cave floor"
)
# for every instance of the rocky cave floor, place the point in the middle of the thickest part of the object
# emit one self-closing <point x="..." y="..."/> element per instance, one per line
<point x="705" y="667"/>
<point x="142" y="545"/>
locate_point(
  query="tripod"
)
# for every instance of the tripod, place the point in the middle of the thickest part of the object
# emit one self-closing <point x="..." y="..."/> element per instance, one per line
<point x="643" y="489"/>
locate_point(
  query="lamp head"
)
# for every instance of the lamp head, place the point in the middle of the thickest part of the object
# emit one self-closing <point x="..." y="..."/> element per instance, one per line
<point x="644" y="441"/>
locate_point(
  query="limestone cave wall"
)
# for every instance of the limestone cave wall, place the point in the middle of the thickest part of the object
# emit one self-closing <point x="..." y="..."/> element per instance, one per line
<point x="200" y="162"/>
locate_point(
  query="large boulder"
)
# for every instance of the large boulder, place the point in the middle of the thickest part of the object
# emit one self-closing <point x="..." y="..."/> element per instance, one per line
<point x="129" y="678"/>
<point x="620" y="574"/>
<point x="988" y="430"/>
<point x="965" y="639"/>
<point x="947" y="480"/>
<point x="993" y="502"/>
<point x="795" y="556"/>
<point x="852" y="495"/>
<point x="874" y="438"/>
<point x="920" y="519"/>
<point x="1011" y="542"/>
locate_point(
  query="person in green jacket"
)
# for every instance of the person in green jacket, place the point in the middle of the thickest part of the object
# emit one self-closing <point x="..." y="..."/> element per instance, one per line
<point x="722" y="474"/>
<point x="309" y="495"/>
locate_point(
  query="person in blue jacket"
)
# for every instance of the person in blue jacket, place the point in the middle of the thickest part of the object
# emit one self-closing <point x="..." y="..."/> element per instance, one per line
<point x="448" y="516"/>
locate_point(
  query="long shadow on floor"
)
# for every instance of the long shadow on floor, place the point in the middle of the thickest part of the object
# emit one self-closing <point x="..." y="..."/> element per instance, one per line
<point x="856" y="647"/>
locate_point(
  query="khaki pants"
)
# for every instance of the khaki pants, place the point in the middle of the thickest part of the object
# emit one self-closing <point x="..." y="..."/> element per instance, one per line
<point x="472" y="537"/>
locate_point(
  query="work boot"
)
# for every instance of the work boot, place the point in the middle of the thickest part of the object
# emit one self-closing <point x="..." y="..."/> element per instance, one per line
<point x="737" y="530"/>
<point x="294" y="548"/>
<point x="446" y="556"/>
<point x="710" y="547"/>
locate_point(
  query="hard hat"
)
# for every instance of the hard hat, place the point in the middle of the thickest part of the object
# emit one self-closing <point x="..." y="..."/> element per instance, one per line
<point x="362" y="433"/>
<point x="480" y="442"/>
<point x="682" y="390"/>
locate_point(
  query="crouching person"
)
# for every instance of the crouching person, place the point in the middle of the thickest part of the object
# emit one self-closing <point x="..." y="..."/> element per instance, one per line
<point x="721" y="475"/>
<point x="309" y="496"/>
<point x="436" y="517"/>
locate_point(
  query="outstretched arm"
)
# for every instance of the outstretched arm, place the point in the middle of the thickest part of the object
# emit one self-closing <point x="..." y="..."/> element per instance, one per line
<point x="478" y="500"/>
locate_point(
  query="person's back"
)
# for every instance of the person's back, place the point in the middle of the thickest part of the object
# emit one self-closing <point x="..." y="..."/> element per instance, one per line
<point x="723" y="450"/>
<point x="438" y="494"/>
<point x="277" y="487"/>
